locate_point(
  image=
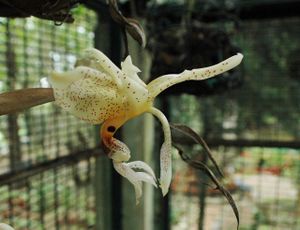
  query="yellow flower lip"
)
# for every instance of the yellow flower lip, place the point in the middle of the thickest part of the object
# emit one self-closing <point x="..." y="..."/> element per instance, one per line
<point x="97" y="91"/>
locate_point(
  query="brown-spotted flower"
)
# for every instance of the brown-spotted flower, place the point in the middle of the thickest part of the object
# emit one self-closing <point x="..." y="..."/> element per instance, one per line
<point x="97" y="91"/>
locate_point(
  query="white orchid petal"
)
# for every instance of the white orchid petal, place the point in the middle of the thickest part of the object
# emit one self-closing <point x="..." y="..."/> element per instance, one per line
<point x="63" y="80"/>
<point x="98" y="60"/>
<point x="146" y="178"/>
<point x="90" y="96"/>
<point x="128" y="66"/>
<point x="130" y="70"/>
<point x="138" y="191"/>
<point x="142" y="165"/>
<point x="159" y="84"/>
<point x="129" y="174"/>
<point x="165" y="168"/>
<point x="165" y="152"/>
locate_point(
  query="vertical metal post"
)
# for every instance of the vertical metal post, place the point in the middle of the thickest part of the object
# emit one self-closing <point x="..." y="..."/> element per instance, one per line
<point x="107" y="183"/>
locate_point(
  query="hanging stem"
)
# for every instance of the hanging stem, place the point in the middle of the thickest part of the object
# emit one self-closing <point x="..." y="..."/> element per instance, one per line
<point x="125" y="39"/>
<point x="16" y="101"/>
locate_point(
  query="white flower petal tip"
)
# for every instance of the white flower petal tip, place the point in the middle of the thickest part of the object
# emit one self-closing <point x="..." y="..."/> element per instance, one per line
<point x="127" y="66"/>
<point x="136" y="178"/>
<point x="146" y="178"/>
<point x="237" y="59"/>
<point x="138" y="192"/>
<point x="240" y="55"/>
<point x="5" y="227"/>
<point x="124" y="170"/>
<point x="165" y="167"/>
<point x="164" y="187"/>
<point x="143" y="166"/>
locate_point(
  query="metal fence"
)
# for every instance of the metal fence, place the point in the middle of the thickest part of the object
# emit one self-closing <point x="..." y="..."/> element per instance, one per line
<point x="46" y="164"/>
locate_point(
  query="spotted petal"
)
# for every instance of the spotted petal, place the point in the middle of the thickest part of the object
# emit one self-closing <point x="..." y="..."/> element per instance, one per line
<point x="158" y="85"/>
<point x="88" y="94"/>
<point x="165" y="168"/>
<point x="95" y="59"/>
<point x="165" y="152"/>
<point x="119" y="152"/>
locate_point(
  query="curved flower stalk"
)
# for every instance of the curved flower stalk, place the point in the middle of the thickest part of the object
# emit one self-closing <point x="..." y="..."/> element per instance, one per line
<point x="97" y="91"/>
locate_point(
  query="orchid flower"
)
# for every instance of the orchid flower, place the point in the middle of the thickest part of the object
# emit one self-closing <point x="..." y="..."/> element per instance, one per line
<point x="97" y="91"/>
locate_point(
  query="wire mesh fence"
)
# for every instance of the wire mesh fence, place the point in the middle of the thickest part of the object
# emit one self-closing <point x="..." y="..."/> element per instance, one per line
<point x="51" y="199"/>
<point x="254" y="132"/>
<point x="46" y="164"/>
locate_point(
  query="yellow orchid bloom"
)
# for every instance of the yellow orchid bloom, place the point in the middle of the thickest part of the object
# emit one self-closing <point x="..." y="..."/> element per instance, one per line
<point x="97" y="91"/>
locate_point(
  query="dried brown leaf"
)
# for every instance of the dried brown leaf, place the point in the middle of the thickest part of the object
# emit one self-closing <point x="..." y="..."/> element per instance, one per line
<point x="116" y="14"/>
<point x="136" y="31"/>
<point x="132" y="26"/>
<point x="187" y="131"/>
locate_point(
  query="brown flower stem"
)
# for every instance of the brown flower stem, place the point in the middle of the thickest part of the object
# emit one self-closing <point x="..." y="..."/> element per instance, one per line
<point x="16" y="101"/>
